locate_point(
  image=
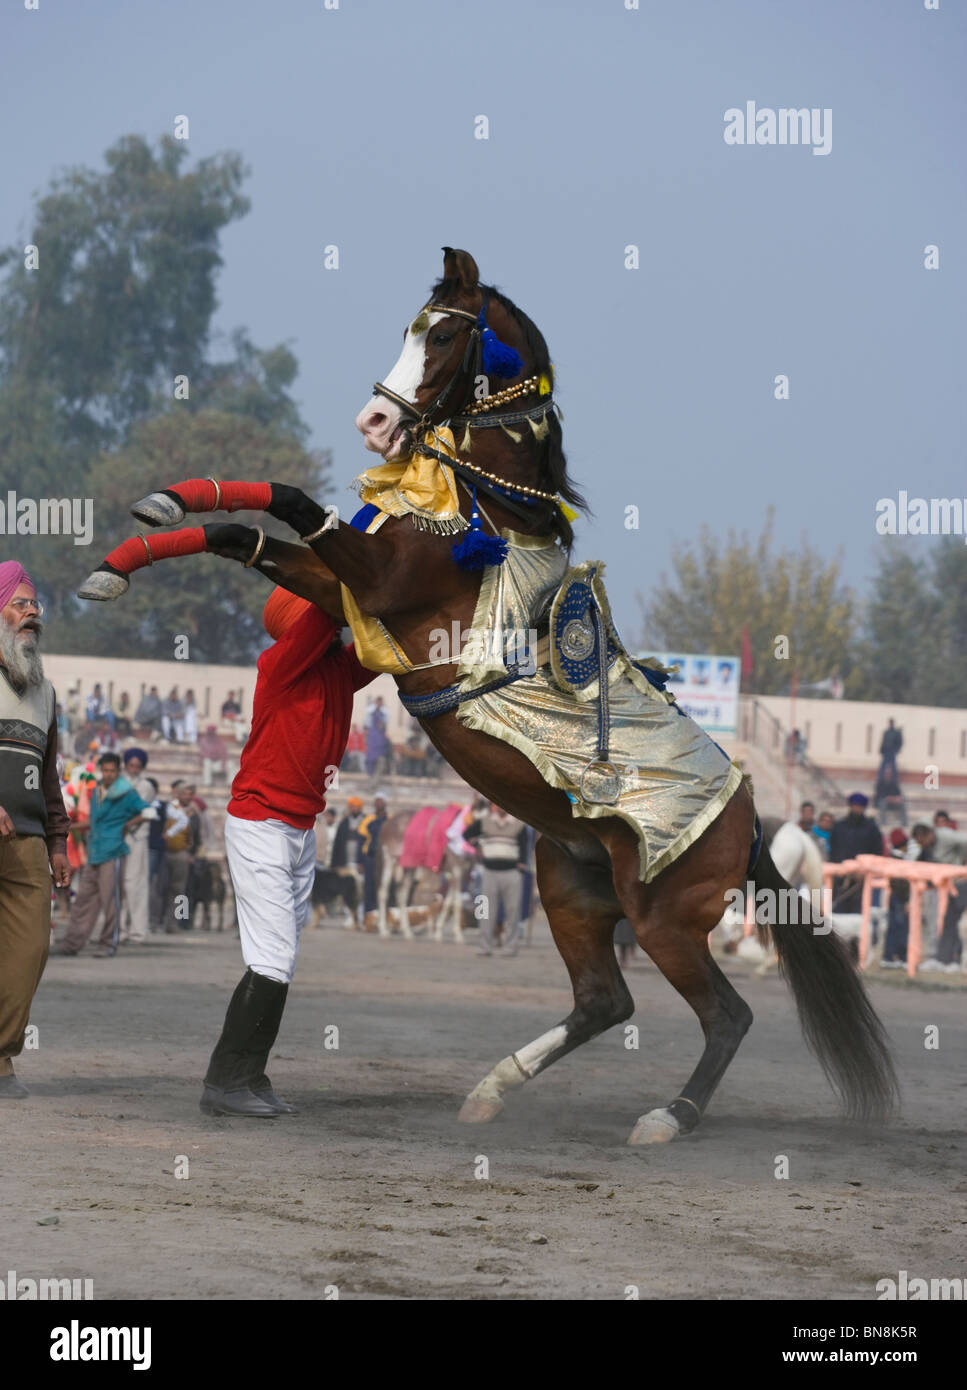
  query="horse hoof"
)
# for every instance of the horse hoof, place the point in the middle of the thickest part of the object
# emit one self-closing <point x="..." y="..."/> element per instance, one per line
<point x="158" y="509"/>
<point x="657" y="1127"/>
<point x="103" y="585"/>
<point x="477" y="1110"/>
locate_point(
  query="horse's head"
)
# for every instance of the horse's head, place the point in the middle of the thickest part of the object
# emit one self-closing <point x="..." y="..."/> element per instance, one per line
<point x="434" y="376"/>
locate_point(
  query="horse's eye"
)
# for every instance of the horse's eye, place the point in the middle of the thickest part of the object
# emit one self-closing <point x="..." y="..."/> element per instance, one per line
<point x="441" y="339"/>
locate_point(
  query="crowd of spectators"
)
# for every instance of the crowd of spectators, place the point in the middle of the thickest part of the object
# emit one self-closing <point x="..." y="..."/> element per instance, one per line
<point x="940" y="842"/>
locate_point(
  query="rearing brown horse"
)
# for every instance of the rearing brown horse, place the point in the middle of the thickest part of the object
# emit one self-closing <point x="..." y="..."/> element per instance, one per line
<point x="588" y="870"/>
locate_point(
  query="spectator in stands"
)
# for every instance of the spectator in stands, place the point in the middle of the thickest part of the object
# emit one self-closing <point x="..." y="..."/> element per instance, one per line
<point x="97" y="708"/>
<point x="214" y="756"/>
<point x="135" y="898"/>
<point x="172" y="717"/>
<point x="796" y="746"/>
<point x="941" y="818"/>
<point x="115" y="809"/>
<point x="63" y="723"/>
<point x="190" y="718"/>
<point x="157" y="859"/>
<point x="503" y="850"/>
<point x="528" y="882"/>
<point x="807" y="817"/>
<point x="345" y="849"/>
<point x="887" y="796"/>
<point x="941" y="845"/>
<point x="822" y="830"/>
<point x="890" y="745"/>
<point x="355" y="750"/>
<point x="369" y="830"/>
<point x="74" y="706"/>
<point x="123" y="720"/>
<point x="378" y="748"/>
<point x="898" y="920"/>
<point x="148" y="713"/>
<point x="326" y="834"/>
<point x="231" y="709"/>
<point x="182" y="834"/>
<point x="855" y="834"/>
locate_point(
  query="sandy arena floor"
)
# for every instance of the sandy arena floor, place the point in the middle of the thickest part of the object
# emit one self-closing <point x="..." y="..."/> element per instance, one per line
<point x="372" y="1189"/>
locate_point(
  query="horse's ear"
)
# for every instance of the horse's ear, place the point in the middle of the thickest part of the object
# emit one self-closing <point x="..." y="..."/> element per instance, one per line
<point x="460" y="266"/>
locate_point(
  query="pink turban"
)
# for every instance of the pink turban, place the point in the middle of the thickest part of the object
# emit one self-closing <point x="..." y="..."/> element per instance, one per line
<point x="12" y="575"/>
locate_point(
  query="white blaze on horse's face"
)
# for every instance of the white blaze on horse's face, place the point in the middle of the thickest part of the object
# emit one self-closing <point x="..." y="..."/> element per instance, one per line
<point x="380" y="420"/>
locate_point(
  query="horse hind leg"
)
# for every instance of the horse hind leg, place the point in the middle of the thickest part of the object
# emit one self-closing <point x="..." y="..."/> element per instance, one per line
<point x="682" y="954"/>
<point x="582" y="911"/>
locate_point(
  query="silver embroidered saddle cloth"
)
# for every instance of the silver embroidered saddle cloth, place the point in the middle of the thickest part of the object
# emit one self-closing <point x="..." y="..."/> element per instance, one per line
<point x="661" y="773"/>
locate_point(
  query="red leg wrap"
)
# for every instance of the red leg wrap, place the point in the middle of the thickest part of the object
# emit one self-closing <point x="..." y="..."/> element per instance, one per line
<point x="201" y="495"/>
<point x="139" y="551"/>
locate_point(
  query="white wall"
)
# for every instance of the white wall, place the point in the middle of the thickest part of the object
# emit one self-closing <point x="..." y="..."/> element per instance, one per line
<point x="847" y="733"/>
<point x="211" y="685"/>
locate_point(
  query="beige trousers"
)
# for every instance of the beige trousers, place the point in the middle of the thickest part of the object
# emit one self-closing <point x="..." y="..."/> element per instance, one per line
<point x="25" y="885"/>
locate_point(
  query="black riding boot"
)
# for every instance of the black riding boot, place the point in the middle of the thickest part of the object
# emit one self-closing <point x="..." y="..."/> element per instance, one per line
<point x="262" y="1043"/>
<point x="232" y="1067"/>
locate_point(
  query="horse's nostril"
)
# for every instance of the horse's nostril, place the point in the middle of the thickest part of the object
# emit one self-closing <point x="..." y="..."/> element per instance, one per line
<point x="375" y="421"/>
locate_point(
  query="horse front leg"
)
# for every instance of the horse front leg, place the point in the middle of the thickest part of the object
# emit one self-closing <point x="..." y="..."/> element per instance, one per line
<point x="292" y="566"/>
<point x="385" y="575"/>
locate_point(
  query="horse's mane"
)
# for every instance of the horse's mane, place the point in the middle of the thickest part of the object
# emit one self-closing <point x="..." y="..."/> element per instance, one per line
<point x="552" y="475"/>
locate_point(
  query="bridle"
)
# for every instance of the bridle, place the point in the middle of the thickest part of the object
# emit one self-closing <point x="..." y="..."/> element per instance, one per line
<point x="423" y="418"/>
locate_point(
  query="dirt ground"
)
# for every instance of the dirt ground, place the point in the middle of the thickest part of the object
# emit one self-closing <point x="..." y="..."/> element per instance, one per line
<point x="372" y="1189"/>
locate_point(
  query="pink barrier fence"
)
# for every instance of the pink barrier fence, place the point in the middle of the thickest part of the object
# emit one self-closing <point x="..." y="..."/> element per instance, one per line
<point x="876" y="870"/>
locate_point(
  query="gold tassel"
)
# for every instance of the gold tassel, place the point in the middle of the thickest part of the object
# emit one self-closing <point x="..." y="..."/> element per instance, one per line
<point x="511" y="434"/>
<point x="465" y="443"/>
<point x="539" y="428"/>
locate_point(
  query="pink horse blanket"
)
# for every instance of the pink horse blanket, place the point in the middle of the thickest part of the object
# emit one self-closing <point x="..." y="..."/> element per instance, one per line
<point x="425" y="838"/>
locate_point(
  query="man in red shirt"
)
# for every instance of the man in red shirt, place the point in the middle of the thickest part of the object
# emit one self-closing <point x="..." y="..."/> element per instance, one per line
<point x="300" y="722"/>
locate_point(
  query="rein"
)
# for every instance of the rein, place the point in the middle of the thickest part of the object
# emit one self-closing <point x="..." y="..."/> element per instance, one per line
<point x="503" y="493"/>
<point x="499" y="488"/>
<point x="422" y="418"/>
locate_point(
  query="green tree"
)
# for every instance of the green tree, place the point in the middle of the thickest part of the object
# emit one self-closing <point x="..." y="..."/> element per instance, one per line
<point x="898" y="616"/>
<point x="915" y="640"/>
<point x="720" y="586"/>
<point x="124" y="292"/>
<point x="90" y="345"/>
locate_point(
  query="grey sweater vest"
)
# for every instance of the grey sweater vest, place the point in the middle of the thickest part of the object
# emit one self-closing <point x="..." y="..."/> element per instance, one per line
<point x="24" y="727"/>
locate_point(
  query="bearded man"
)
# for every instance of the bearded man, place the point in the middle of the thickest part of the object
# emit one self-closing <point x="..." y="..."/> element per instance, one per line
<point x="33" y="819"/>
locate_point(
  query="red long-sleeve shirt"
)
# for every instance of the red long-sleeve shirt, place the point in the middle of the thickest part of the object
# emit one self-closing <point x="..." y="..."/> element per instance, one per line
<point x="301" y="715"/>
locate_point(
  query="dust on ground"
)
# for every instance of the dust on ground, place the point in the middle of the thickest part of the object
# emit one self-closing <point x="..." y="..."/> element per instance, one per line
<point x="372" y="1190"/>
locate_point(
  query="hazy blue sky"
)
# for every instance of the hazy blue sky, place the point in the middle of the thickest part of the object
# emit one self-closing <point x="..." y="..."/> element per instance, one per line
<point x="606" y="128"/>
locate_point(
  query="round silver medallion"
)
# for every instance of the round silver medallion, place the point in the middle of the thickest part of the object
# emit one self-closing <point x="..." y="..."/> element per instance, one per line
<point x="577" y="639"/>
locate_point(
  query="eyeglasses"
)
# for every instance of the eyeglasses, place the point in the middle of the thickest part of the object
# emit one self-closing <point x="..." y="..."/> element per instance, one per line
<point x="22" y="604"/>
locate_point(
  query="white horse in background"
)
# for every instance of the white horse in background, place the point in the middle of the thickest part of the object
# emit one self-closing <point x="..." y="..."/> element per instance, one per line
<point x="798" y="858"/>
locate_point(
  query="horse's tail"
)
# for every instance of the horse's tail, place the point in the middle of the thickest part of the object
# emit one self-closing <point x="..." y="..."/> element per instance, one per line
<point x="838" y="1021"/>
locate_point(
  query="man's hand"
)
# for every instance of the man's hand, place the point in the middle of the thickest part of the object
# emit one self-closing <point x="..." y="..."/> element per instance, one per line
<point x="61" y="870"/>
<point x="7" y="831"/>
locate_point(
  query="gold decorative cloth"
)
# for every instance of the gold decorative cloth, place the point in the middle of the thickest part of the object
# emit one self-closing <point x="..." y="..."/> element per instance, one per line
<point x="674" y="780"/>
<point x="417" y="486"/>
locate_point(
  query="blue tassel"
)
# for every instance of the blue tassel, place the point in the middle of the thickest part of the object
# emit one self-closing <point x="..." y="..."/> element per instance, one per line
<point x="477" y="550"/>
<point x="497" y="359"/>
